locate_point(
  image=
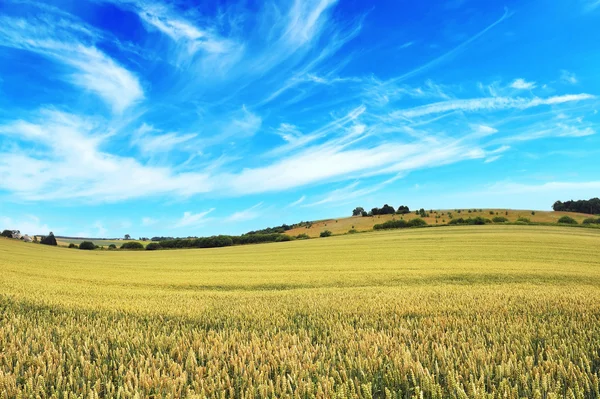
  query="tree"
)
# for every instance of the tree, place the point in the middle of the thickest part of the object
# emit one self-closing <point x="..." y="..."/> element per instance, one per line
<point x="591" y="206"/>
<point x="87" y="245"/>
<point x="153" y="246"/>
<point x="127" y="237"/>
<point x="358" y="211"/>
<point x="49" y="240"/>
<point x="387" y="210"/>
<point x="7" y="234"/>
<point x="132" y="245"/>
<point x="402" y="210"/>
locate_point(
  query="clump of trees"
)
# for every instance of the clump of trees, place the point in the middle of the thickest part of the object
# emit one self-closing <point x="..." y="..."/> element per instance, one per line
<point x="567" y="220"/>
<point x="223" y="241"/>
<point x="132" y="245"/>
<point x="591" y="221"/>
<point x="153" y="246"/>
<point x="358" y="211"/>
<point x="49" y="240"/>
<point x="326" y="233"/>
<point x="400" y="224"/>
<point x="591" y="206"/>
<point x="499" y="219"/>
<point x="6" y="233"/>
<point x="87" y="245"/>
<point x="470" y="221"/>
<point x="384" y="210"/>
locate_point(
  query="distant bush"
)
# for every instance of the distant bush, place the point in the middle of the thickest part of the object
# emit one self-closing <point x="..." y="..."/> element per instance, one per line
<point x="6" y="233"/>
<point x="499" y="219"/>
<point x="302" y="236"/>
<point x="49" y="240"/>
<point x="153" y="246"/>
<point x="87" y="245"/>
<point x="567" y="220"/>
<point x="400" y="224"/>
<point x="132" y="245"/>
<point x="520" y="222"/>
<point x="591" y="221"/>
<point x="325" y="233"/>
<point x="470" y="221"/>
<point x="112" y="246"/>
<point x="71" y="245"/>
<point x="523" y="220"/>
<point x="352" y="231"/>
<point x="491" y="212"/>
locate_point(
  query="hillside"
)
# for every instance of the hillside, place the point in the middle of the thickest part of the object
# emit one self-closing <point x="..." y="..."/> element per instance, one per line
<point x="359" y="223"/>
<point x="475" y="311"/>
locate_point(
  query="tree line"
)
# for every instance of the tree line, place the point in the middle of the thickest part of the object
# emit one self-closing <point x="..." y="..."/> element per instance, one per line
<point x="591" y="206"/>
<point x="384" y="210"/>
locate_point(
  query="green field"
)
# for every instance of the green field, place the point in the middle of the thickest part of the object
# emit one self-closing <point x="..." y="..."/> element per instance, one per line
<point x="450" y="312"/>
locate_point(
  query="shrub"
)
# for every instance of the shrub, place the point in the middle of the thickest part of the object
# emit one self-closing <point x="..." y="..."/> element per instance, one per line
<point x="533" y="213"/>
<point x="591" y="221"/>
<point x="302" y="236"/>
<point x="491" y="212"/>
<point x="112" y="246"/>
<point x="132" y="245"/>
<point x="352" y="231"/>
<point x="153" y="246"/>
<point x="49" y="240"/>
<point x="417" y="222"/>
<point x="87" y="245"/>
<point x="523" y="220"/>
<point x="499" y="219"/>
<point x="326" y="233"/>
<point x="471" y="221"/>
<point x="6" y="233"/>
<point x="71" y="245"/>
<point x="567" y="220"/>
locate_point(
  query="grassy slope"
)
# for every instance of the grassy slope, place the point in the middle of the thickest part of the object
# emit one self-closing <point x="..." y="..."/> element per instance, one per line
<point x="502" y="305"/>
<point x="343" y="225"/>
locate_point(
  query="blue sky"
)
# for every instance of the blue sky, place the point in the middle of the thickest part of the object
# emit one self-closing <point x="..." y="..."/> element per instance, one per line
<point x="175" y="118"/>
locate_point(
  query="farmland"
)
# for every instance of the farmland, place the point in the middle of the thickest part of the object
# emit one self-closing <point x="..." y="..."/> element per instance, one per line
<point x="435" y="218"/>
<point x="453" y="312"/>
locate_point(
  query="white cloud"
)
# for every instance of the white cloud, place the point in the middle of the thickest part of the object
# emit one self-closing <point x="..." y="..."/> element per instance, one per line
<point x="150" y="143"/>
<point x="522" y="84"/>
<point x="73" y="166"/>
<point x="297" y="202"/>
<point x="492" y="159"/>
<point x="568" y="77"/>
<point x="148" y="221"/>
<point x="484" y="130"/>
<point x="192" y="219"/>
<point x="28" y="224"/>
<point x="91" y="69"/>
<point x="100" y="230"/>
<point x="488" y="103"/>
<point x="245" y="215"/>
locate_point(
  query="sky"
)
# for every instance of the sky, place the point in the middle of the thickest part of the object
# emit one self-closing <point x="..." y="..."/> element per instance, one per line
<point x="148" y="117"/>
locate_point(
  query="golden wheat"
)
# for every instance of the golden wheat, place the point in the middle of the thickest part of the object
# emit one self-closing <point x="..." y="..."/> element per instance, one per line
<point x="463" y="312"/>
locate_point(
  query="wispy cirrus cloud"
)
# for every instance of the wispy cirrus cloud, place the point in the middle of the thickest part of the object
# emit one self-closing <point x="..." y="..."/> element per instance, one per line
<point x="88" y="67"/>
<point x="192" y="219"/>
<point x="489" y="103"/>
<point x="522" y="84"/>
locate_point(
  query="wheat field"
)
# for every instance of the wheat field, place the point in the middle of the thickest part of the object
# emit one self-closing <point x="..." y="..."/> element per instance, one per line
<point x="450" y="312"/>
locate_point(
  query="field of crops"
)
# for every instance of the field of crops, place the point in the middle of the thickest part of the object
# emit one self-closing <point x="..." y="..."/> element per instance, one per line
<point x="450" y="312"/>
